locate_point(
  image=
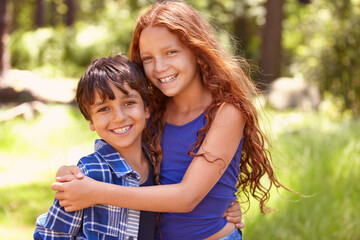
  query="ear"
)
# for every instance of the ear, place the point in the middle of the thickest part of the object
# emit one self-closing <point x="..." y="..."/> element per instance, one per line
<point x="92" y="126"/>
<point x="198" y="60"/>
<point x="147" y="113"/>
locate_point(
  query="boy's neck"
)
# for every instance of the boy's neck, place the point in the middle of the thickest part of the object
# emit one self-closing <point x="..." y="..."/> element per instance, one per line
<point x="133" y="155"/>
<point x="137" y="160"/>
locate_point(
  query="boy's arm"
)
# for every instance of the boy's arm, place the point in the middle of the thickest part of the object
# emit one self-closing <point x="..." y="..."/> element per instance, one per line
<point x="57" y="223"/>
<point x="234" y="214"/>
<point x="41" y="232"/>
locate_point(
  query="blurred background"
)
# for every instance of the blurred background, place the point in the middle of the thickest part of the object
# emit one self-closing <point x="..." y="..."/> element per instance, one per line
<point x="304" y="55"/>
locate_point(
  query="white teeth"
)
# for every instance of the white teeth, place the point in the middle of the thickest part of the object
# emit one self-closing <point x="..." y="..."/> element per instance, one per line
<point x="121" y="130"/>
<point x="167" y="79"/>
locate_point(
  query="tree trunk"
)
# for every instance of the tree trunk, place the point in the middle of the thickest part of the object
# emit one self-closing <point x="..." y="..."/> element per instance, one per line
<point x="39" y="13"/>
<point x="270" y="60"/>
<point x="70" y="15"/>
<point x="4" y="56"/>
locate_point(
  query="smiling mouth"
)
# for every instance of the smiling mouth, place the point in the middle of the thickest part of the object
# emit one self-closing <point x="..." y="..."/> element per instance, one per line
<point x="122" y="130"/>
<point x="168" y="79"/>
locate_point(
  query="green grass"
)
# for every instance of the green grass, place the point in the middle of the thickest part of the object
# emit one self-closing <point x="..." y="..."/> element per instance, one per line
<point x="315" y="154"/>
<point x="30" y="153"/>
<point x="21" y="204"/>
<point x="319" y="157"/>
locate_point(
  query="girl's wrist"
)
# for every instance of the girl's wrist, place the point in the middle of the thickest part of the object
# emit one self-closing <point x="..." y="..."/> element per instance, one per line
<point x="99" y="192"/>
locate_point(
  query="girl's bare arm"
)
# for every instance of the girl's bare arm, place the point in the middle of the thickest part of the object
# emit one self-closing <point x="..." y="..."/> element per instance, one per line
<point x="221" y="141"/>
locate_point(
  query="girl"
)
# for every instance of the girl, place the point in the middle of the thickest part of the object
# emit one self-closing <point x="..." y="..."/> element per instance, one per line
<point x="208" y="144"/>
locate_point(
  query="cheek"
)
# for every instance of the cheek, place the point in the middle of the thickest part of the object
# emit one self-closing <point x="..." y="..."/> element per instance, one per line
<point x="148" y="70"/>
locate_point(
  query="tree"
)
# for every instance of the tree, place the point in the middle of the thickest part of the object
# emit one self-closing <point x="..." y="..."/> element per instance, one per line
<point x="39" y="13"/>
<point x="270" y="59"/>
<point x="4" y="57"/>
<point x="70" y="15"/>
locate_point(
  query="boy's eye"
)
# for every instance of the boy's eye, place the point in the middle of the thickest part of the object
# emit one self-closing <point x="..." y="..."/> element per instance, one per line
<point x="128" y="103"/>
<point x="103" y="109"/>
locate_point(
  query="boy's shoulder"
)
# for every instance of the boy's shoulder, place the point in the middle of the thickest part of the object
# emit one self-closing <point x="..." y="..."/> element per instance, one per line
<point x="104" y="162"/>
<point x="102" y="152"/>
<point x="94" y="166"/>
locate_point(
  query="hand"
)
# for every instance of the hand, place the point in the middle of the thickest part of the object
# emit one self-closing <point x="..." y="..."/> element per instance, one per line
<point x="77" y="194"/>
<point x="233" y="214"/>
<point x="68" y="173"/>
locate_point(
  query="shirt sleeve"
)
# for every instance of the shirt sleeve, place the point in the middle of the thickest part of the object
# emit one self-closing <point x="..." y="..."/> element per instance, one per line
<point x="41" y="232"/>
<point x="57" y="223"/>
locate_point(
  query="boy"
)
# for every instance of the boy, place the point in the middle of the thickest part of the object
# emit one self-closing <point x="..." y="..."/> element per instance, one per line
<point x="113" y="96"/>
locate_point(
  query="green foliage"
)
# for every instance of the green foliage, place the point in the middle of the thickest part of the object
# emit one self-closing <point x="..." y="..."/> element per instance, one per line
<point x="48" y="47"/>
<point x="238" y="23"/>
<point x="322" y="43"/>
<point x="67" y="51"/>
<point x="320" y="39"/>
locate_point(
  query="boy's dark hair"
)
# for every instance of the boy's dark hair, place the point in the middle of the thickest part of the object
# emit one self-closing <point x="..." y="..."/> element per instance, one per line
<point x="117" y="70"/>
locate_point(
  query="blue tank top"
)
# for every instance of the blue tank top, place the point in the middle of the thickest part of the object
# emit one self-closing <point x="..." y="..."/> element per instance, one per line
<point x="207" y="217"/>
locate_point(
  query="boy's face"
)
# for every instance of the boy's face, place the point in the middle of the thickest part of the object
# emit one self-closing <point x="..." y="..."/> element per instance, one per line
<point x="121" y="121"/>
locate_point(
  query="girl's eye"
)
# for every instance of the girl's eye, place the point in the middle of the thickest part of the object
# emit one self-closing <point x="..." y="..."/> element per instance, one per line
<point x="146" y="59"/>
<point x="171" y="52"/>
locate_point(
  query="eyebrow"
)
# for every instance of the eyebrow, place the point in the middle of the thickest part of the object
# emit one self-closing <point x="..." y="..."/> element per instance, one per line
<point x="166" y="47"/>
<point x="129" y="95"/>
<point x="97" y="104"/>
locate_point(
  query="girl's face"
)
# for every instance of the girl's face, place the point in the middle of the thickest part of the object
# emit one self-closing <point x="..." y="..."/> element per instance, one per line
<point x="168" y="63"/>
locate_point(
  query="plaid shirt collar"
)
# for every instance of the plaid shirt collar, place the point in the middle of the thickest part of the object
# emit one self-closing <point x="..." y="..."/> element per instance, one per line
<point x="115" y="161"/>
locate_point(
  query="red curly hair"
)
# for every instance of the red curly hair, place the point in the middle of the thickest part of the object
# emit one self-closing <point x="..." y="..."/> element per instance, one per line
<point x="227" y="78"/>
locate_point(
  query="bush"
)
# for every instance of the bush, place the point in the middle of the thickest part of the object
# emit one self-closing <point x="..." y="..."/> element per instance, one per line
<point x="323" y="42"/>
<point x="63" y="51"/>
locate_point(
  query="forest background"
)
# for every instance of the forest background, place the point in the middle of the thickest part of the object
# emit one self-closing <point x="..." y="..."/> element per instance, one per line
<point x="46" y="45"/>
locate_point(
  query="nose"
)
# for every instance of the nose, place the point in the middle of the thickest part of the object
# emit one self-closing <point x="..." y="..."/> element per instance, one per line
<point x="161" y="65"/>
<point x="118" y="114"/>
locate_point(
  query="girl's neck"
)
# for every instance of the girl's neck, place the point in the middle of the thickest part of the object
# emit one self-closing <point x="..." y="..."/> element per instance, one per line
<point x="182" y="109"/>
<point x="194" y="97"/>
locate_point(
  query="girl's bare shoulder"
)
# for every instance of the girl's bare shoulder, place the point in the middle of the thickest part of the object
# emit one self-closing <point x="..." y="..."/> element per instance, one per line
<point x="229" y="113"/>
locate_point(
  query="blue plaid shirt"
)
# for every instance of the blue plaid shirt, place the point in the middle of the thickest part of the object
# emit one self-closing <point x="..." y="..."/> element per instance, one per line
<point x="99" y="221"/>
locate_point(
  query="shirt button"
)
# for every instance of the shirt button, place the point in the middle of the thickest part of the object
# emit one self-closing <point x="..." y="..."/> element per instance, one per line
<point x="131" y="238"/>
